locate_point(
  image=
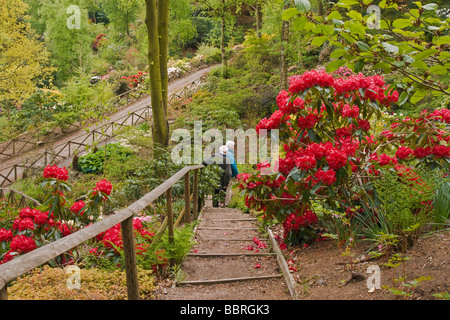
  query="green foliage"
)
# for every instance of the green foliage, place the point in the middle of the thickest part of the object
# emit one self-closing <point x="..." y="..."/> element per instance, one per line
<point x="410" y="41"/>
<point x="441" y="205"/>
<point x="182" y="243"/>
<point x="94" y="162"/>
<point x="70" y="49"/>
<point x="403" y="204"/>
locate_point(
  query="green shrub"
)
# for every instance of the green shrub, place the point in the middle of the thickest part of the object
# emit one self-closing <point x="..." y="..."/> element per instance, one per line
<point x="51" y="284"/>
<point x="94" y="162"/>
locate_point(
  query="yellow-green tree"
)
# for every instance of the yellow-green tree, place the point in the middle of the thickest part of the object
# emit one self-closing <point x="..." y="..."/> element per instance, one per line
<point x="24" y="61"/>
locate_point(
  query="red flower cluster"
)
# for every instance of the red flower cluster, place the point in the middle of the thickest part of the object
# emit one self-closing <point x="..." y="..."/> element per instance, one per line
<point x="77" y="206"/>
<point x="104" y="186"/>
<point x="309" y="79"/>
<point x="22" y="244"/>
<point x="135" y="80"/>
<point x="374" y="88"/>
<point x="53" y="172"/>
<point x="5" y="235"/>
<point x="350" y="111"/>
<point x="296" y="220"/>
<point x="403" y="152"/>
<point x="328" y="177"/>
<point x="28" y="218"/>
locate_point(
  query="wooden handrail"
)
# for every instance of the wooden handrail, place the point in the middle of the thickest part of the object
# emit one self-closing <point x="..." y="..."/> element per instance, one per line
<point x="31" y="260"/>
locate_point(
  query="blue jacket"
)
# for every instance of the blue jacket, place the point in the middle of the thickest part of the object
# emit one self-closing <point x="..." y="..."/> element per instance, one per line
<point x="234" y="169"/>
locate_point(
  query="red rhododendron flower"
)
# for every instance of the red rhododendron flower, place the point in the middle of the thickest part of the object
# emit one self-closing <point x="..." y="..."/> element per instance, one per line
<point x="26" y="224"/>
<point x="309" y="79"/>
<point x="441" y="151"/>
<point x="328" y="177"/>
<point x="22" y="244"/>
<point x="336" y="159"/>
<point x="77" y="206"/>
<point x="104" y="186"/>
<point x="350" y="111"/>
<point x="56" y="173"/>
<point x="41" y="218"/>
<point x="306" y="162"/>
<point x="5" y="235"/>
<point x="404" y="152"/>
<point x="422" y="152"/>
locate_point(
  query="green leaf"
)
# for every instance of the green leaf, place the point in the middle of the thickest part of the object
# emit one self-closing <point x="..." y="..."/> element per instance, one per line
<point x="438" y="69"/>
<point x="389" y="47"/>
<point x="334" y="15"/>
<point x="289" y="13"/>
<point x="425" y="54"/>
<point x="303" y="5"/>
<point x="359" y="65"/>
<point x="363" y="46"/>
<point x="442" y="40"/>
<point x="299" y="23"/>
<point x="337" y="53"/>
<point x="418" y="95"/>
<point x="420" y="65"/>
<point x="334" y="65"/>
<point x="354" y="15"/>
<point x="318" y="41"/>
<point x="430" y="7"/>
<point x="402" y="23"/>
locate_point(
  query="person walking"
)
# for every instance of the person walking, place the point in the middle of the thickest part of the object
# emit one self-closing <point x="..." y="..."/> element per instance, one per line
<point x="220" y="158"/>
<point x="230" y="154"/>
<point x="234" y="170"/>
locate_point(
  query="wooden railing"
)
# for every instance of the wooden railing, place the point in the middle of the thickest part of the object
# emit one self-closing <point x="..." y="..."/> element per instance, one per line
<point x="17" y="198"/>
<point x="31" y="260"/>
<point x="34" y="138"/>
<point x="51" y="155"/>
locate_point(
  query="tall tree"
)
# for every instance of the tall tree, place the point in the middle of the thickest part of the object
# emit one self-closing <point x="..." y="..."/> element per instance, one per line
<point x="284" y="42"/>
<point x="70" y="48"/>
<point x="219" y="9"/>
<point x="24" y="61"/>
<point x="157" y="16"/>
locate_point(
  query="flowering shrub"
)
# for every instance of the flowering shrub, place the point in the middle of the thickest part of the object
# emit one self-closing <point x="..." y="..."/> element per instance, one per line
<point x="136" y="80"/>
<point x="329" y="153"/>
<point x="34" y="228"/>
<point x="99" y="41"/>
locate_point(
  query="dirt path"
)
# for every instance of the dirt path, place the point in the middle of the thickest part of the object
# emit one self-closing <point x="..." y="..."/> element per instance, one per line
<point x="84" y="135"/>
<point x="221" y="265"/>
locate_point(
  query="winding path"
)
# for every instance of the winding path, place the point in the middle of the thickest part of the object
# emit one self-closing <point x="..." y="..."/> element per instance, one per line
<point x="84" y="135"/>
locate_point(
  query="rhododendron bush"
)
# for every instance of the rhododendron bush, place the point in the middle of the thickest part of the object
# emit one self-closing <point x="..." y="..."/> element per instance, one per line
<point x="57" y="218"/>
<point x="329" y="153"/>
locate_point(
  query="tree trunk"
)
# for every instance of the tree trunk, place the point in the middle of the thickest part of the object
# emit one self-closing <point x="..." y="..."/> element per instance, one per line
<point x="320" y="7"/>
<point x="160" y="130"/>
<point x="258" y="20"/>
<point x="222" y="46"/>
<point x="284" y="41"/>
<point x="163" y="29"/>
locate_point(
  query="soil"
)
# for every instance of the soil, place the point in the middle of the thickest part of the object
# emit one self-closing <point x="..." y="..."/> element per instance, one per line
<point x="324" y="272"/>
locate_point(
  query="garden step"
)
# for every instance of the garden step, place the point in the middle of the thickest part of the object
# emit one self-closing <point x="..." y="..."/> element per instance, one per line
<point x="231" y="279"/>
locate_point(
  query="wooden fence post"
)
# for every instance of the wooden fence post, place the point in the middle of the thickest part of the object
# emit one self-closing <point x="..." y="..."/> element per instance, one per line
<point x="195" y="195"/>
<point x="169" y="214"/>
<point x="3" y="290"/>
<point x="187" y="197"/>
<point x="130" y="259"/>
